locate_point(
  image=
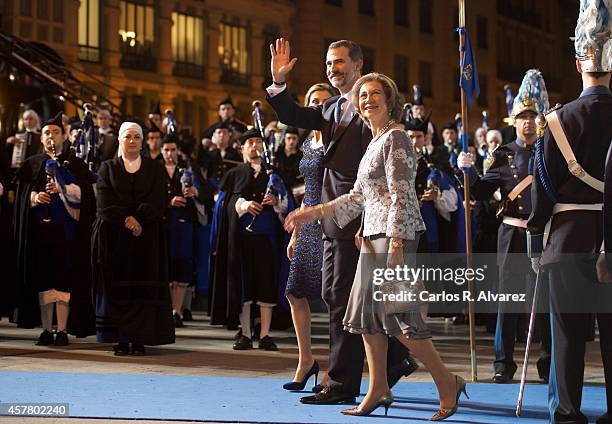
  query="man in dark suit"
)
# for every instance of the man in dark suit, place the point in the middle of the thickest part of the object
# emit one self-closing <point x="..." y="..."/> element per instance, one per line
<point x="346" y="138"/>
<point x="567" y="193"/>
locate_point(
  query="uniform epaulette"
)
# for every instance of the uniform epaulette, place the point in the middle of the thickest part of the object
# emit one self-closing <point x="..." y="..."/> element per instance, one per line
<point x="552" y="109"/>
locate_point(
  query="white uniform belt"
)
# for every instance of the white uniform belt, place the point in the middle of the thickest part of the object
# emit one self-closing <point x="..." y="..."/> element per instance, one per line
<point x="565" y="207"/>
<point x="515" y="222"/>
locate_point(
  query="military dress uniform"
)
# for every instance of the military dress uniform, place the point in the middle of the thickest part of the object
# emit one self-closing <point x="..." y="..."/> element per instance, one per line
<point x="572" y="211"/>
<point x="566" y="225"/>
<point x="511" y="172"/>
<point x="512" y="164"/>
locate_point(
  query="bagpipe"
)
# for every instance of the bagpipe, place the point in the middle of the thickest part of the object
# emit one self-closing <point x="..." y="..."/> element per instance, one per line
<point x="59" y="174"/>
<point x="170" y="122"/>
<point x="276" y="186"/>
<point x="86" y="144"/>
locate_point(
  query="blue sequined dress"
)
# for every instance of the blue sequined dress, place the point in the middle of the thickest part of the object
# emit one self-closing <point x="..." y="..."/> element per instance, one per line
<point x="305" y="271"/>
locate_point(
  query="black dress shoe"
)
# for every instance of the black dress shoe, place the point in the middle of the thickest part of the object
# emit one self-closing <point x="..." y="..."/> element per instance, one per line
<point x="403" y="369"/>
<point x="502" y="377"/>
<point x="45" y="338"/>
<point x="121" y="349"/>
<point x="187" y="316"/>
<point x="543" y="370"/>
<point x="243" y="343"/>
<point x="238" y="335"/>
<point x="328" y="396"/>
<point x="61" y="338"/>
<point x="138" y="349"/>
<point x="267" y="343"/>
<point x="178" y="322"/>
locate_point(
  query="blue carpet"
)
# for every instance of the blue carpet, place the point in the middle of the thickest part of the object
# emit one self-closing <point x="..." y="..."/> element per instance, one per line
<point x="232" y="399"/>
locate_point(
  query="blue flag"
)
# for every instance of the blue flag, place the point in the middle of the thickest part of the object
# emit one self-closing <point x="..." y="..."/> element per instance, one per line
<point x="469" y="72"/>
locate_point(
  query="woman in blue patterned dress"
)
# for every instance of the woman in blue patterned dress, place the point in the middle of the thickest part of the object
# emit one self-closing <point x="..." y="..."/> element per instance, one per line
<point x="305" y="250"/>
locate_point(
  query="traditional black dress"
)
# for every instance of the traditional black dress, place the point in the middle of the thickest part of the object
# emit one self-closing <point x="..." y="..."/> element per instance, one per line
<point x="10" y="162"/>
<point x="53" y="241"/>
<point x="130" y="273"/>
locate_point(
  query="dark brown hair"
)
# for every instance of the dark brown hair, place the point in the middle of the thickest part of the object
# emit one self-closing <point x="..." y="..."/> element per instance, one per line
<point x="355" y="52"/>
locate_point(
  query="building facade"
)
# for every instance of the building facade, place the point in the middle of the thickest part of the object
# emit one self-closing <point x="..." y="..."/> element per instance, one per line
<point x="190" y="54"/>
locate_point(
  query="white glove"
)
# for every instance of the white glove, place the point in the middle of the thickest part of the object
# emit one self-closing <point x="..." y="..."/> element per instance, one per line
<point x="535" y="264"/>
<point x="465" y="160"/>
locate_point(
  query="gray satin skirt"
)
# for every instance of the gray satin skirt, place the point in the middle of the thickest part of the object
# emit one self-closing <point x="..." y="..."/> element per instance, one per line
<point x="366" y="315"/>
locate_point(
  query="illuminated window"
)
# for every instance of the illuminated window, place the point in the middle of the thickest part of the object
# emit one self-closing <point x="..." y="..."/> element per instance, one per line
<point x="187" y="44"/>
<point x="233" y="54"/>
<point x="137" y="36"/>
<point x="89" y="30"/>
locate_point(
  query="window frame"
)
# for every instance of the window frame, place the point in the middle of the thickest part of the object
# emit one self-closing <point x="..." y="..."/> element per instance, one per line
<point x="228" y="74"/>
<point x="89" y="52"/>
<point x="188" y="67"/>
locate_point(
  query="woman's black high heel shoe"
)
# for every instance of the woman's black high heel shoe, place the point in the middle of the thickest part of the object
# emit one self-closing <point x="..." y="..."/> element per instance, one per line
<point x="299" y="385"/>
<point x="444" y="413"/>
<point x="385" y="401"/>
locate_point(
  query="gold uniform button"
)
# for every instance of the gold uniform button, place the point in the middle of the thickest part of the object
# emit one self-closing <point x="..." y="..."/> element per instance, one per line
<point x="515" y="176"/>
<point x="513" y="166"/>
<point x="520" y="196"/>
<point x="520" y="208"/>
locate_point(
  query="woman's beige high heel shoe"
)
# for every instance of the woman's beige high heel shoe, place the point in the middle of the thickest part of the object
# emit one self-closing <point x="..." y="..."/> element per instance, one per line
<point x="444" y="413"/>
<point x="385" y="401"/>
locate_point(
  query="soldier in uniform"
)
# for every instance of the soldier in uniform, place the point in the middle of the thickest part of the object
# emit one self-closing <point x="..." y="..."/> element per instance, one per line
<point x="511" y="172"/>
<point x="565" y="226"/>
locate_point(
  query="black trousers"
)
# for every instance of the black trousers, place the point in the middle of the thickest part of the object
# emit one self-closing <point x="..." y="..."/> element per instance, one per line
<point x="509" y="319"/>
<point x="573" y="285"/>
<point x="346" y="351"/>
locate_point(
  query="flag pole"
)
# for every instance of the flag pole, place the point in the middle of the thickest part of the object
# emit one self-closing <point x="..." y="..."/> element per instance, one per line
<point x="466" y="196"/>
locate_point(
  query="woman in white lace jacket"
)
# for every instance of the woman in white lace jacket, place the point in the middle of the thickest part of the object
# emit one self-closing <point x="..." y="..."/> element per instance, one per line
<point x="384" y="193"/>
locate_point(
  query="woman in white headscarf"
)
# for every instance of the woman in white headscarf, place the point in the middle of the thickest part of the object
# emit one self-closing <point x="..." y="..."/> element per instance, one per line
<point x="129" y="250"/>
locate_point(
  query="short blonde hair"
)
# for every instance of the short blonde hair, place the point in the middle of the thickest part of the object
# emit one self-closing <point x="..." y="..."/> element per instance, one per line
<point x="321" y="86"/>
<point x="392" y="94"/>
